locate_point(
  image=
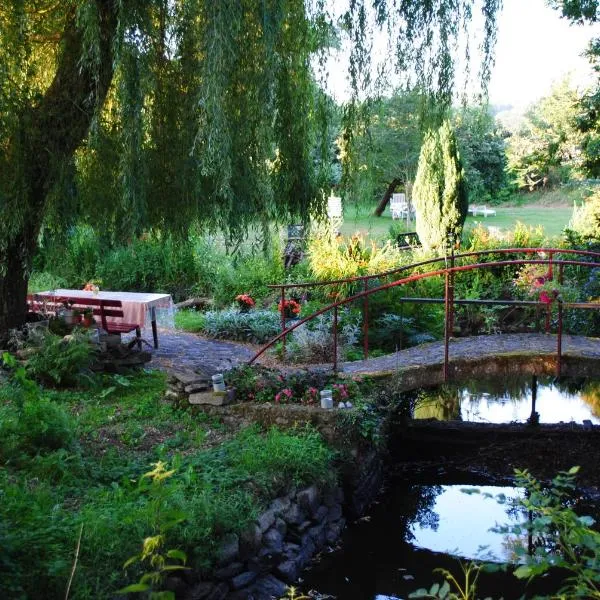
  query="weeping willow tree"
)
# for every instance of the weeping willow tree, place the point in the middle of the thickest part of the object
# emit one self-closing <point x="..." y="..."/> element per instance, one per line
<point x="138" y="114"/>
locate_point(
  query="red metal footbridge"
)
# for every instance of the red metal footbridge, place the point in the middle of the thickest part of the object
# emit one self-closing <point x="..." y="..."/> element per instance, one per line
<point x="449" y="268"/>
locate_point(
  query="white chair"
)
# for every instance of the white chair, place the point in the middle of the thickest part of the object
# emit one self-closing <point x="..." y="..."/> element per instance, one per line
<point x="334" y="207"/>
<point x="399" y="207"/>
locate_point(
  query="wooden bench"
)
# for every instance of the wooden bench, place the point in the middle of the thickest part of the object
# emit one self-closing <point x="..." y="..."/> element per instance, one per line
<point x="100" y="308"/>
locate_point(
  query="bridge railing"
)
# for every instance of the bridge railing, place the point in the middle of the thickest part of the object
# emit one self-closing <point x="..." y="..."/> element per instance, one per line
<point x="448" y="272"/>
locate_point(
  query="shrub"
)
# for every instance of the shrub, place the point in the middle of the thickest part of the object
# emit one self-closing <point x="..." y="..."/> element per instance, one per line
<point x="585" y="221"/>
<point x="257" y="326"/>
<point x="60" y="361"/>
<point x="331" y="257"/>
<point x="314" y="343"/>
<point x="39" y="426"/>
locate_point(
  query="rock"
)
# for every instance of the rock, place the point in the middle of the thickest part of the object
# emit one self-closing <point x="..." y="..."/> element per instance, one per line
<point x="229" y="571"/>
<point x="335" y="513"/>
<point x="175" y="585"/>
<point x="317" y="534"/>
<point x="334" y="531"/>
<point x="288" y="570"/>
<point x="212" y="398"/>
<point x="308" y="499"/>
<point x="208" y="591"/>
<point x="303" y="526"/>
<point x="294" y="515"/>
<point x="280" y="505"/>
<point x="243" y="579"/>
<point x="321" y="513"/>
<point x="269" y="587"/>
<point x="273" y="541"/>
<point x="281" y="526"/>
<point x="339" y="495"/>
<point x="291" y="550"/>
<point x="250" y="541"/>
<point x="229" y="549"/>
<point x="201" y="386"/>
<point x="186" y="377"/>
<point x="266" y="520"/>
<point x="201" y="591"/>
<point x="329" y="498"/>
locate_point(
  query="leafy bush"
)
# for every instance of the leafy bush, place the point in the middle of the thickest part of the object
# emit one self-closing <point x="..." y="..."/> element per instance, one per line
<point x="391" y="331"/>
<point x="257" y="326"/>
<point x="60" y="361"/>
<point x="42" y="281"/>
<point x="153" y="263"/>
<point x="585" y="221"/>
<point x="313" y="342"/>
<point x="333" y="258"/>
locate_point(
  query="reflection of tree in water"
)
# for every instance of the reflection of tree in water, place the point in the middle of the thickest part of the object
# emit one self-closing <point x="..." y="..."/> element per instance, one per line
<point x="590" y="394"/>
<point x="418" y="503"/>
<point x="442" y="404"/>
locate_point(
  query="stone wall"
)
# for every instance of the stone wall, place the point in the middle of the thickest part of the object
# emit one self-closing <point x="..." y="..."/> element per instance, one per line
<point x="260" y="563"/>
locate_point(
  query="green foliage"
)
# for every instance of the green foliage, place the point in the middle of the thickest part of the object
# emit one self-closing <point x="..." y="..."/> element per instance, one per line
<point x="92" y="478"/>
<point x="255" y="326"/>
<point x="331" y="257"/>
<point x="39" y="426"/>
<point x="313" y="342"/>
<point x="483" y="152"/>
<point x="585" y="222"/>
<point x="60" y="361"/>
<point x="440" y="193"/>
<point x="545" y="150"/>
<point x="160" y="562"/>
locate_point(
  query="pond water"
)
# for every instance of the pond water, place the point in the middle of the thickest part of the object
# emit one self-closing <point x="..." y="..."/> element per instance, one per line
<point x="415" y="529"/>
<point x="506" y="401"/>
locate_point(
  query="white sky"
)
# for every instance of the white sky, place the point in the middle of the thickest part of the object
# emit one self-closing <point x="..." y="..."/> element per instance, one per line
<point x="536" y="48"/>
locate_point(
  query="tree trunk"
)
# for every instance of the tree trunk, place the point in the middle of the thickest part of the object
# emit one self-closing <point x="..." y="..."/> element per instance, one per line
<point x="53" y="130"/>
<point x="386" y="197"/>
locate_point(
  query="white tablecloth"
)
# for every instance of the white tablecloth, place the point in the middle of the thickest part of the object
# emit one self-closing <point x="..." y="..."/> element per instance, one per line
<point x="136" y="305"/>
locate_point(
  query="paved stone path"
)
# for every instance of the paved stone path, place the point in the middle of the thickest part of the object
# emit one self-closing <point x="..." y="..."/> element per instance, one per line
<point x="180" y="350"/>
<point x="483" y="346"/>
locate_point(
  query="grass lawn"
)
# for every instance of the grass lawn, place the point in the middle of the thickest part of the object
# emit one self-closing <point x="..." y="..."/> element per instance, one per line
<point x="553" y="219"/>
<point x="73" y="463"/>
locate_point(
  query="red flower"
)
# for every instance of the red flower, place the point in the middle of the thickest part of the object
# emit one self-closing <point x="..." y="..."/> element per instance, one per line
<point x="245" y="301"/>
<point x="545" y="297"/>
<point x="289" y="307"/>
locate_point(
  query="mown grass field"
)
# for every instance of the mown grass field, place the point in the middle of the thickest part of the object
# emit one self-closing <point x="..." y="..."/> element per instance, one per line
<point x="553" y="219"/>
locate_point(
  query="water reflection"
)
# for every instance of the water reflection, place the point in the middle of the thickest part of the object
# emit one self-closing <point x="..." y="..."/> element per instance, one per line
<point x="513" y="400"/>
<point x="414" y="530"/>
<point x="464" y="523"/>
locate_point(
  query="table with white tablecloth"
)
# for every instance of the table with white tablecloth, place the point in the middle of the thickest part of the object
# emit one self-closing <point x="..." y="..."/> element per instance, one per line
<point x="138" y="307"/>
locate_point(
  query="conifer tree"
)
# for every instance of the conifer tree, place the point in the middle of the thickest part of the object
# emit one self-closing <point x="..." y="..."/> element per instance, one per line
<point x="440" y="192"/>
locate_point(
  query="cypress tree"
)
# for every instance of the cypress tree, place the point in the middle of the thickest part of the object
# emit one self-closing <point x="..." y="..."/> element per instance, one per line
<point x="440" y="192"/>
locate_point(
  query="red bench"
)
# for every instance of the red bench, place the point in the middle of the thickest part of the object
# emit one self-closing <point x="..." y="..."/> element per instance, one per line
<point x="100" y="308"/>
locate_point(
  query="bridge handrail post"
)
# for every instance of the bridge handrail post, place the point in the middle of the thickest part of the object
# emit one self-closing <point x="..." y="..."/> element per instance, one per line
<point x="446" y="323"/>
<point x="283" y="321"/>
<point x="559" y="338"/>
<point x="366" y="320"/>
<point x="335" y="338"/>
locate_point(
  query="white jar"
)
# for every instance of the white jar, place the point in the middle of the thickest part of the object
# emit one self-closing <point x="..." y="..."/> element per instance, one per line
<point x="326" y="399"/>
<point x="218" y="383"/>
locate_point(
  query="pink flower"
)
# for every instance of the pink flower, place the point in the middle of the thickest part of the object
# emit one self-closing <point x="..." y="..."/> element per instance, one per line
<point x="545" y="297"/>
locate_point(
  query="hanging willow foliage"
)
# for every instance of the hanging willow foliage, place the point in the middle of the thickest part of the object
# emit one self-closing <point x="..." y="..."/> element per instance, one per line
<point x="159" y="113"/>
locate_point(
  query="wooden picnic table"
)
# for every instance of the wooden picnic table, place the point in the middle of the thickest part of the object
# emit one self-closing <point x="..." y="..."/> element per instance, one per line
<point x="137" y="307"/>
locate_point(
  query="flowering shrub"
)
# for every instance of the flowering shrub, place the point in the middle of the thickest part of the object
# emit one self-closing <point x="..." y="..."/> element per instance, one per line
<point x="260" y="384"/>
<point x="290" y="308"/>
<point x="245" y="301"/>
<point x="285" y="395"/>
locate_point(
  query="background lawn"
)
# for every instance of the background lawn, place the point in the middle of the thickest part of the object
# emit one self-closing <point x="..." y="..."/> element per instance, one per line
<point x="552" y="218"/>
